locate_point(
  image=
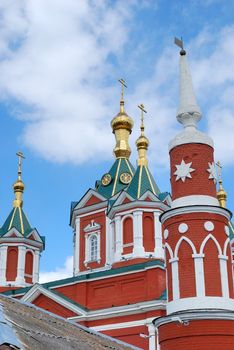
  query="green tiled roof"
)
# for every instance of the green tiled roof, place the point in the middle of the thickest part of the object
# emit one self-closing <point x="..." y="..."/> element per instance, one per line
<point x="231" y="230"/>
<point x="121" y="165"/>
<point x="18" y="220"/>
<point x="142" y="181"/>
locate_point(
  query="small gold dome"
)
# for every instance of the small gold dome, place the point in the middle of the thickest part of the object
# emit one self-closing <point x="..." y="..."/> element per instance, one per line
<point x="222" y="195"/>
<point x="19" y="190"/>
<point x="18" y="186"/>
<point x="142" y="142"/>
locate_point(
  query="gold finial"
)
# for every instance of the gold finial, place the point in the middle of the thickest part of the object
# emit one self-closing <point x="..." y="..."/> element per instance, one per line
<point x="19" y="185"/>
<point x="142" y="142"/>
<point x="122" y="126"/>
<point x="221" y="194"/>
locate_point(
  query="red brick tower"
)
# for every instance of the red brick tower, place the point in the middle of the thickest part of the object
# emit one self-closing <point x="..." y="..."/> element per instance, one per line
<point x="197" y="245"/>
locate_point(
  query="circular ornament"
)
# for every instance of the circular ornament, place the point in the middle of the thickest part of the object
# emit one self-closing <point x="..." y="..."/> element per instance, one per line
<point x="125" y="178"/>
<point x="209" y="226"/>
<point x="166" y="234"/>
<point x="226" y="230"/>
<point x="183" y="228"/>
<point x="106" y="179"/>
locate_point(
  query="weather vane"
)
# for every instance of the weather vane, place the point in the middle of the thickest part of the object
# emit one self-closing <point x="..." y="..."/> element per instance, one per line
<point x="123" y="83"/>
<point x="21" y="156"/>
<point x="180" y="43"/>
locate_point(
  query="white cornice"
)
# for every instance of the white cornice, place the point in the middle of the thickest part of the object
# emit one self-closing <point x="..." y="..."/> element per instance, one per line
<point x="195" y="209"/>
<point x="137" y="205"/>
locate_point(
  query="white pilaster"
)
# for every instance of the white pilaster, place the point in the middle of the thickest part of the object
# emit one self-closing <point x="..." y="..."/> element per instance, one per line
<point x="138" y="234"/>
<point x="3" y="261"/>
<point x="199" y="274"/>
<point x="158" y="250"/>
<point x="175" y="278"/>
<point x="108" y="240"/>
<point x="21" y="265"/>
<point x="224" y="275"/>
<point x="118" y="237"/>
<point x="36" y="266"/>
<point x="152" y="338"/>
<point x="112" y="241"/>
<point x="76" y="256"/>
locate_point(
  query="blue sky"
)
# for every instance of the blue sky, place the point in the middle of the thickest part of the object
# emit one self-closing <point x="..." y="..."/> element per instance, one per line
<point x="59" y="66"/>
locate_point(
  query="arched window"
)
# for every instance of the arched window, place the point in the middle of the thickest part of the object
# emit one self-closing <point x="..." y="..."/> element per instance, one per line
<point x="93" y="248"/>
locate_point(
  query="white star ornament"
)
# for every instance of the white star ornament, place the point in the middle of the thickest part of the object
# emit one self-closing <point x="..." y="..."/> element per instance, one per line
<point x="212" y="171"/>
<point x="183" y="170"/>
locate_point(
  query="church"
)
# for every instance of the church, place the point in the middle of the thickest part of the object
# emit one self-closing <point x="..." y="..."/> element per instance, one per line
<point x="150" y="268"/>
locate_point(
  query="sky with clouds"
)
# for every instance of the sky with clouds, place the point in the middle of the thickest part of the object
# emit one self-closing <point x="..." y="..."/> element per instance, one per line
<point x="59" y="66"/>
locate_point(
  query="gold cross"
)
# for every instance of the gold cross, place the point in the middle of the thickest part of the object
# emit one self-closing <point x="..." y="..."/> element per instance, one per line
<point x="219" y="169"/>
<point x="21" y="156"/>
<point x="123" y="83"/>
<point x="142" y="108"/>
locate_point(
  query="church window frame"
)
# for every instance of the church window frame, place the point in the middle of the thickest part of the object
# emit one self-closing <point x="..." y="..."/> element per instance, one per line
<point x="92" y="242"/>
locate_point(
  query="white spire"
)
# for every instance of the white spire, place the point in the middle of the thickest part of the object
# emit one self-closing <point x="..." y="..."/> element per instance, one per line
<point x="188" y="113"/>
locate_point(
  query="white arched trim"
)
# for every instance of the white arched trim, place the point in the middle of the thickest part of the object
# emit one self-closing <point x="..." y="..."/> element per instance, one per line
<point x="208" y="237"/>
<point x="227" y="242"/>
<point x="186" y="239"/>
<point x="88" y="247"/>
<point x="167" y="246"/>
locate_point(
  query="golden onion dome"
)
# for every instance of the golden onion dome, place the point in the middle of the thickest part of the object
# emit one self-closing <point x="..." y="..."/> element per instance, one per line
<point x="19" y="185"/>
<point x="142" y="142"/>
<point x="122" y="120"/>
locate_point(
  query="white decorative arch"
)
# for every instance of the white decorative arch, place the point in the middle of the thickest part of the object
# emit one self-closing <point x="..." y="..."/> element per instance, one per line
<point x="227" y="242"/>
<point x="167" y="246"/>
<point x="186" y="239"/>
<point x="208" y="237"/>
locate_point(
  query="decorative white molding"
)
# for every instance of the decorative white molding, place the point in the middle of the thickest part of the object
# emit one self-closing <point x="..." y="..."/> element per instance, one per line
<point x="88" y="252"/>
<point x="210" y="209"/>
<point x="226" y="228"/>
<point x="36" y="266"/>
<point x="138" y="233"/>
<point x="76" y="257"/>
<point x="175" y="278"/>
<point x="183" y="170"/>
<point x="206" y="239"/>
<point x="190" y="136"/>
<point x="118" y="238"/>
<point x="194" y="200"/>
<point x="21" y="265"/>
<point x="199" y="274"/>
<point x="183" y="228"/>
<point x="93" y="226"/>
<point x="186" y="239"/>
<point x="166" y="233"/>
<point x="200" y="303"/>
<point x="224" y="275"/>
<point x="209" y="226"/>
<point x="158" y="250"/>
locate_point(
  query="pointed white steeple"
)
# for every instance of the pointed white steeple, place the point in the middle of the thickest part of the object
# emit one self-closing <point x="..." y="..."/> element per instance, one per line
<point x="188" y="113"/>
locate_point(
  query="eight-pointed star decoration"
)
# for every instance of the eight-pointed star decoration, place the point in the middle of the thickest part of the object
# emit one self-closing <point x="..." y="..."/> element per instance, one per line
<point x="183" y="170"/>
<point x="212" y="171"/>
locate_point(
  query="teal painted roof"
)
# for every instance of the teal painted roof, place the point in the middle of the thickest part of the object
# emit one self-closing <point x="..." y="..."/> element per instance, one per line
<point x="121" y="165"/>
<point x="18" y="220"/>
<point x="142" y="181"/>
<point x="231" y="230"/>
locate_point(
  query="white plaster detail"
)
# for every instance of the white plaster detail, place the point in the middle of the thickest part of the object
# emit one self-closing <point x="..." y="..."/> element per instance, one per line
<point x="226" y="245"/>
<point x="224" y="275"/>
<point x="190" y="136"/>
<point x="175" y="278"/>
<point x="199" y="274"/>
<point x="21" y="265"/>
<point x="93" y="226"/>
<point x="206" y="239"/>
<point x="183" y="170"/>
<point x="195" y="200"/>
<point x="152" y="334"/>
<point x="36" y="266"/>
<point x="183" y="228"/>
<point x="167" y="246"/>
<point x="138" y="233"/>
<point x="226" y="230"/>
<point x="118" y="238"/>
<point x="200" y="303"/>
<point x="76" y="257"/>
<point x="92" y="247"/>
<point x="212" y="172"/>
<point x="186" y="239"/>
<point x="166" y="233"/>
<point x="158" y="250"/>
<point x="209" y="226"/>
<point x="3" y="261"/>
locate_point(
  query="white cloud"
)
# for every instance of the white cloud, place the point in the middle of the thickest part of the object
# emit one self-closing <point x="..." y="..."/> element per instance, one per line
<point x="59" y="272"/>
<point x="56" y="61"/>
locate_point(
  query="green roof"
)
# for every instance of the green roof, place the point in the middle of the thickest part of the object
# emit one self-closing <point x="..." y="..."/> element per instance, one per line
<point x="142" y="181"/>
<point x="121" y="165"/>
<point x="18" y="220"/>
<point x="231" y="230"/>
